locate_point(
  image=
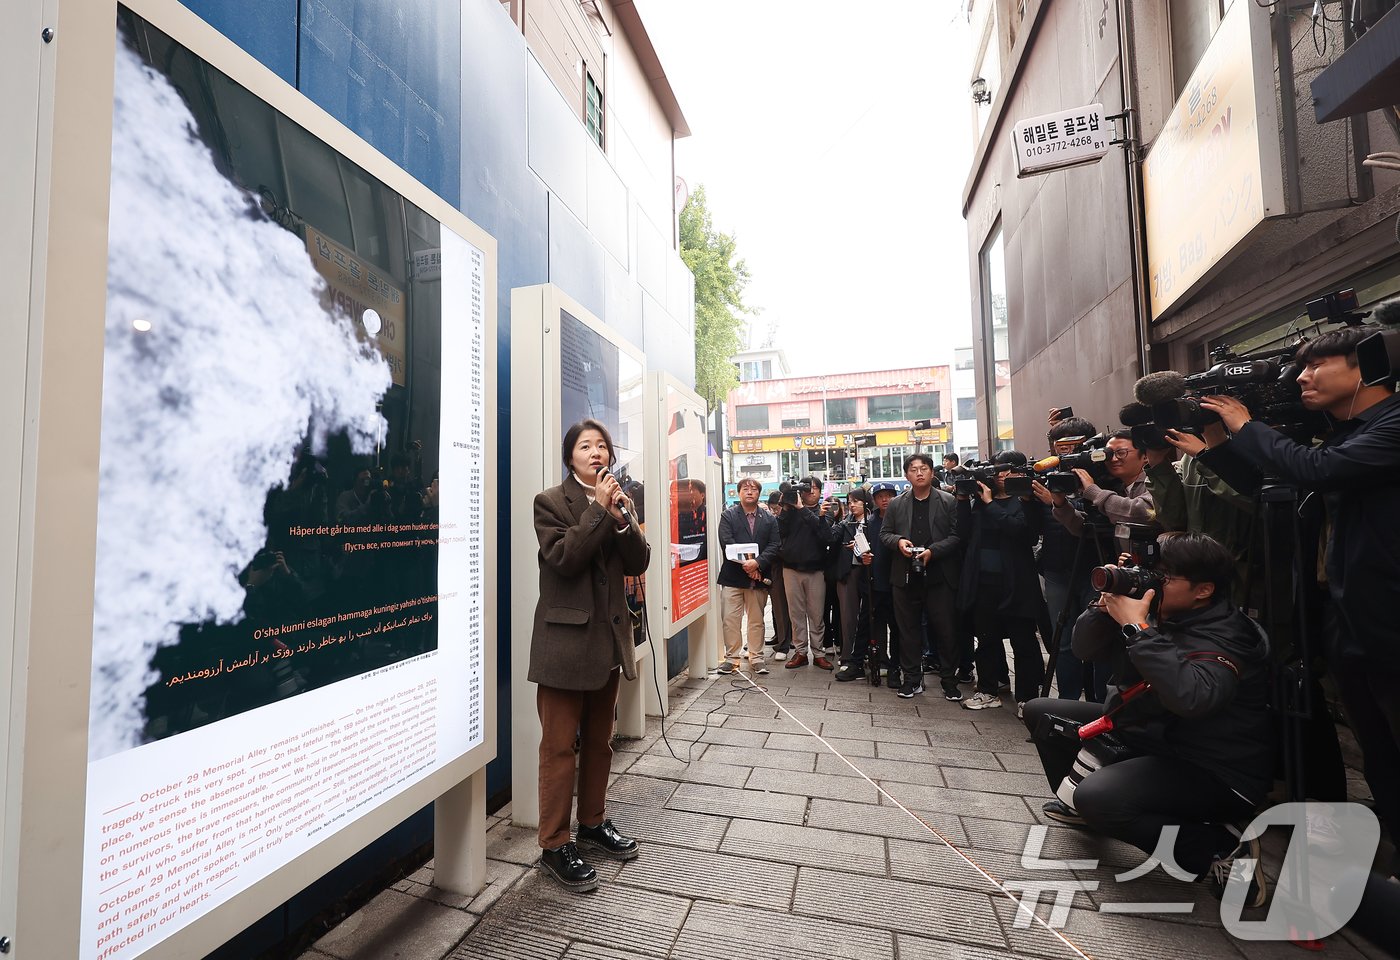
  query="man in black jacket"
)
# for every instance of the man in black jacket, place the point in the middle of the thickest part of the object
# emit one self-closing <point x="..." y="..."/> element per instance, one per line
<point x="921" y="531"/>
<point x="1000" y="586"/>
<point x="807" y="532"/>
<point x="743" y="584"/>
<point x="1197" y="733"/>
<point x="1356" y="470"/>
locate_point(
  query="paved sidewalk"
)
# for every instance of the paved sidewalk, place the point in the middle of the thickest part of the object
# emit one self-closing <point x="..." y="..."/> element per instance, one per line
<point x="766" y="844"/>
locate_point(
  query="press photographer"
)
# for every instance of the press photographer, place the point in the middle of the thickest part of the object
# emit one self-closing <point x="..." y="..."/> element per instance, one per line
<point x="1183" y="739"/>
<point x="921" y="531"/>
<point x="1131" y="503"/>
<point x="1066" y="557"/>
<point x="806" y="534"/>
<point x="1355" y="471"/>
<point x="1000" y="588"/>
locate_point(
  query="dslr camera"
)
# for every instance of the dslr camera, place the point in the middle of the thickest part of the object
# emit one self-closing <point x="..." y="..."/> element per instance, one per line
<point x="917" y="567"/>
<point x="1135" y="580"/>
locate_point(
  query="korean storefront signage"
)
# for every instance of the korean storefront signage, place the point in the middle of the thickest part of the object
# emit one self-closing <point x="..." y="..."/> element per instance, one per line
<point x="1214" y="172"/>
<point x="1057" y="140"/>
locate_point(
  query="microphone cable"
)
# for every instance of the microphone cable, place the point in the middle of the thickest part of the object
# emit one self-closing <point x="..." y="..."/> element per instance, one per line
<point x="735" y="686"/>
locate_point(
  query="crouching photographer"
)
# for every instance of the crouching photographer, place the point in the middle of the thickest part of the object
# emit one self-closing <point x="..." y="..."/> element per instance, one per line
<point x="1183" y="740"/>
<point x="1355" y="469"/>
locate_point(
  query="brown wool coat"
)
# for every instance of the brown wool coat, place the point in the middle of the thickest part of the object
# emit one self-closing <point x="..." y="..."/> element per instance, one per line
<point x="582" y="627"/>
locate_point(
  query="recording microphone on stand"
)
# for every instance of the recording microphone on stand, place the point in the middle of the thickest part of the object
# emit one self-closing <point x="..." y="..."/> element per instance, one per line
<point x="621" y="498"/>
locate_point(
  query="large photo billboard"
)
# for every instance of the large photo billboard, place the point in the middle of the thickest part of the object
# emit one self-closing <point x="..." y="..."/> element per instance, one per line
<point x="288" y="604"/>
<point x="687" y="456"/>
<point x="598" y="380"/>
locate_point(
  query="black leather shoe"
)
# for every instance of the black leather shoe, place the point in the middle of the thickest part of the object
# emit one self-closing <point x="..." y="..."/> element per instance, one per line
<point x="566" y="866"/>
<point x="606" y="840"/>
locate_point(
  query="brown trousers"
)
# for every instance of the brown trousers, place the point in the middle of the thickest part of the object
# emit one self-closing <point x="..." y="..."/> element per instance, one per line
<point x="564" y="713"/>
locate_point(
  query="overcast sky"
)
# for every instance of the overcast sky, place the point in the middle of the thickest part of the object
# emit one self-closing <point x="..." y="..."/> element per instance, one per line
<point x="833" y="139"/>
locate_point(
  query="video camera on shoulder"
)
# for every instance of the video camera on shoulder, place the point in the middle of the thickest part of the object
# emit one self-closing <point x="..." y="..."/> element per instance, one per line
<point x="1057" y="473"/>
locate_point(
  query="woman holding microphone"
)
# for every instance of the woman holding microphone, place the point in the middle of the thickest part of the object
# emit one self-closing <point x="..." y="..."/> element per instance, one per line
<point x="582" y="639"/>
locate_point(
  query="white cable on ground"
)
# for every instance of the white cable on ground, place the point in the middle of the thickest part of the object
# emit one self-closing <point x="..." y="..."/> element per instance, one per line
<point x="1020" y="906"/>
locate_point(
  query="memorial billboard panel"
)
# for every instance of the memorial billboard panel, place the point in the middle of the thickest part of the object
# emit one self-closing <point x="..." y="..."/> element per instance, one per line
<point x="288" y="618"/>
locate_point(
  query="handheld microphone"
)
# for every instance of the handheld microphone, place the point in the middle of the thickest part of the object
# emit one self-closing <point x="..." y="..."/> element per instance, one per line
<point x="621" y="498"/>
<point x="1160" y="387"/>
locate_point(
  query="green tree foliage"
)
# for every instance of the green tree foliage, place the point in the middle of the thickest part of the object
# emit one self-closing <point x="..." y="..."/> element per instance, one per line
<point x="720" y="280"/>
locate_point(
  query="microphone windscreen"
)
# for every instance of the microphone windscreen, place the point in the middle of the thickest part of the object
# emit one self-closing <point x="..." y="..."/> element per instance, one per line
<point x="1049" y="463"/>
<point x="1160" y="387"/>
<point x="1135" y="414"/>
<point x="1387" y="313"/>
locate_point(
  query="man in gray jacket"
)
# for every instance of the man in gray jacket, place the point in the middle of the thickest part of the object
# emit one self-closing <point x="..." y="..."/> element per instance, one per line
<point x="920" y="531"/>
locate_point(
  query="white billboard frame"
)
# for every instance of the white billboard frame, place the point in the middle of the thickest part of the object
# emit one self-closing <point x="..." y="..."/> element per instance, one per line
<point x="537" y="436"/>
<point x="64" y="83"/>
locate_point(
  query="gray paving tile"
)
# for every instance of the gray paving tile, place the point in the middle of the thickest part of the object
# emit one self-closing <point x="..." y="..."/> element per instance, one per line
<point x="637" y="789"/>
<point x="977" y="741"/>
<point x="700" y="875"/>
<point x="936" y="863"/>
<point x="396" y="924"/>
<point x="803" y="742"/>
<point x="893" y="771"/>
<point x="882" y="821"/>
<point x="512" y="844"/>
<point x="1059" y="842"/>
<point x="501" y="936"/>
<point x="942" y="755"/>
<point x="762" y="725"/>
<point x="696" y="733"/>
<point x="812" y="785"/>
<point x="1109" y="935"/>
<point x="1021" y="763"/>
<point x="593" y="951"/>
<point x="1020" y="784"/>
<point x="762" y="757"/>
<point x="805" y="846"/>
<point x="948" y="912"/>
<point x="611" y="915"/>
<point x="730" y="802"/>
<point x="723" y="774"/>
<point x="1155" y="887"/>
<point x="922" y="948"/>
<point x="720" y="932"/>
<point x="878" y="735"/>
<point x="963" y="802"/>
<point x="675" y="827"/>
<point x="500" y="877"/>
<point x="878" y="707"/>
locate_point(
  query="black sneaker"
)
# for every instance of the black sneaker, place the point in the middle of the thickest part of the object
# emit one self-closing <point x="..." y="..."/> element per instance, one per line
<point x="1241" y="865"/>
<point x="606" y="840"/>
<point x="952" y="694"/>
<point x="726" y="668"/>
<point x="1063" y="813"/>
<point x="851" y="671"/>
<point x="965" y="676"/>
<point x="931" y="666"/>
<point x="911" y="688"/>
<point x="565" y="865"/>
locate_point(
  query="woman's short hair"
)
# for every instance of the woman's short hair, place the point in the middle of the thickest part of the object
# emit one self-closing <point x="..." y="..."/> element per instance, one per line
<point x="571" y="436"/>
